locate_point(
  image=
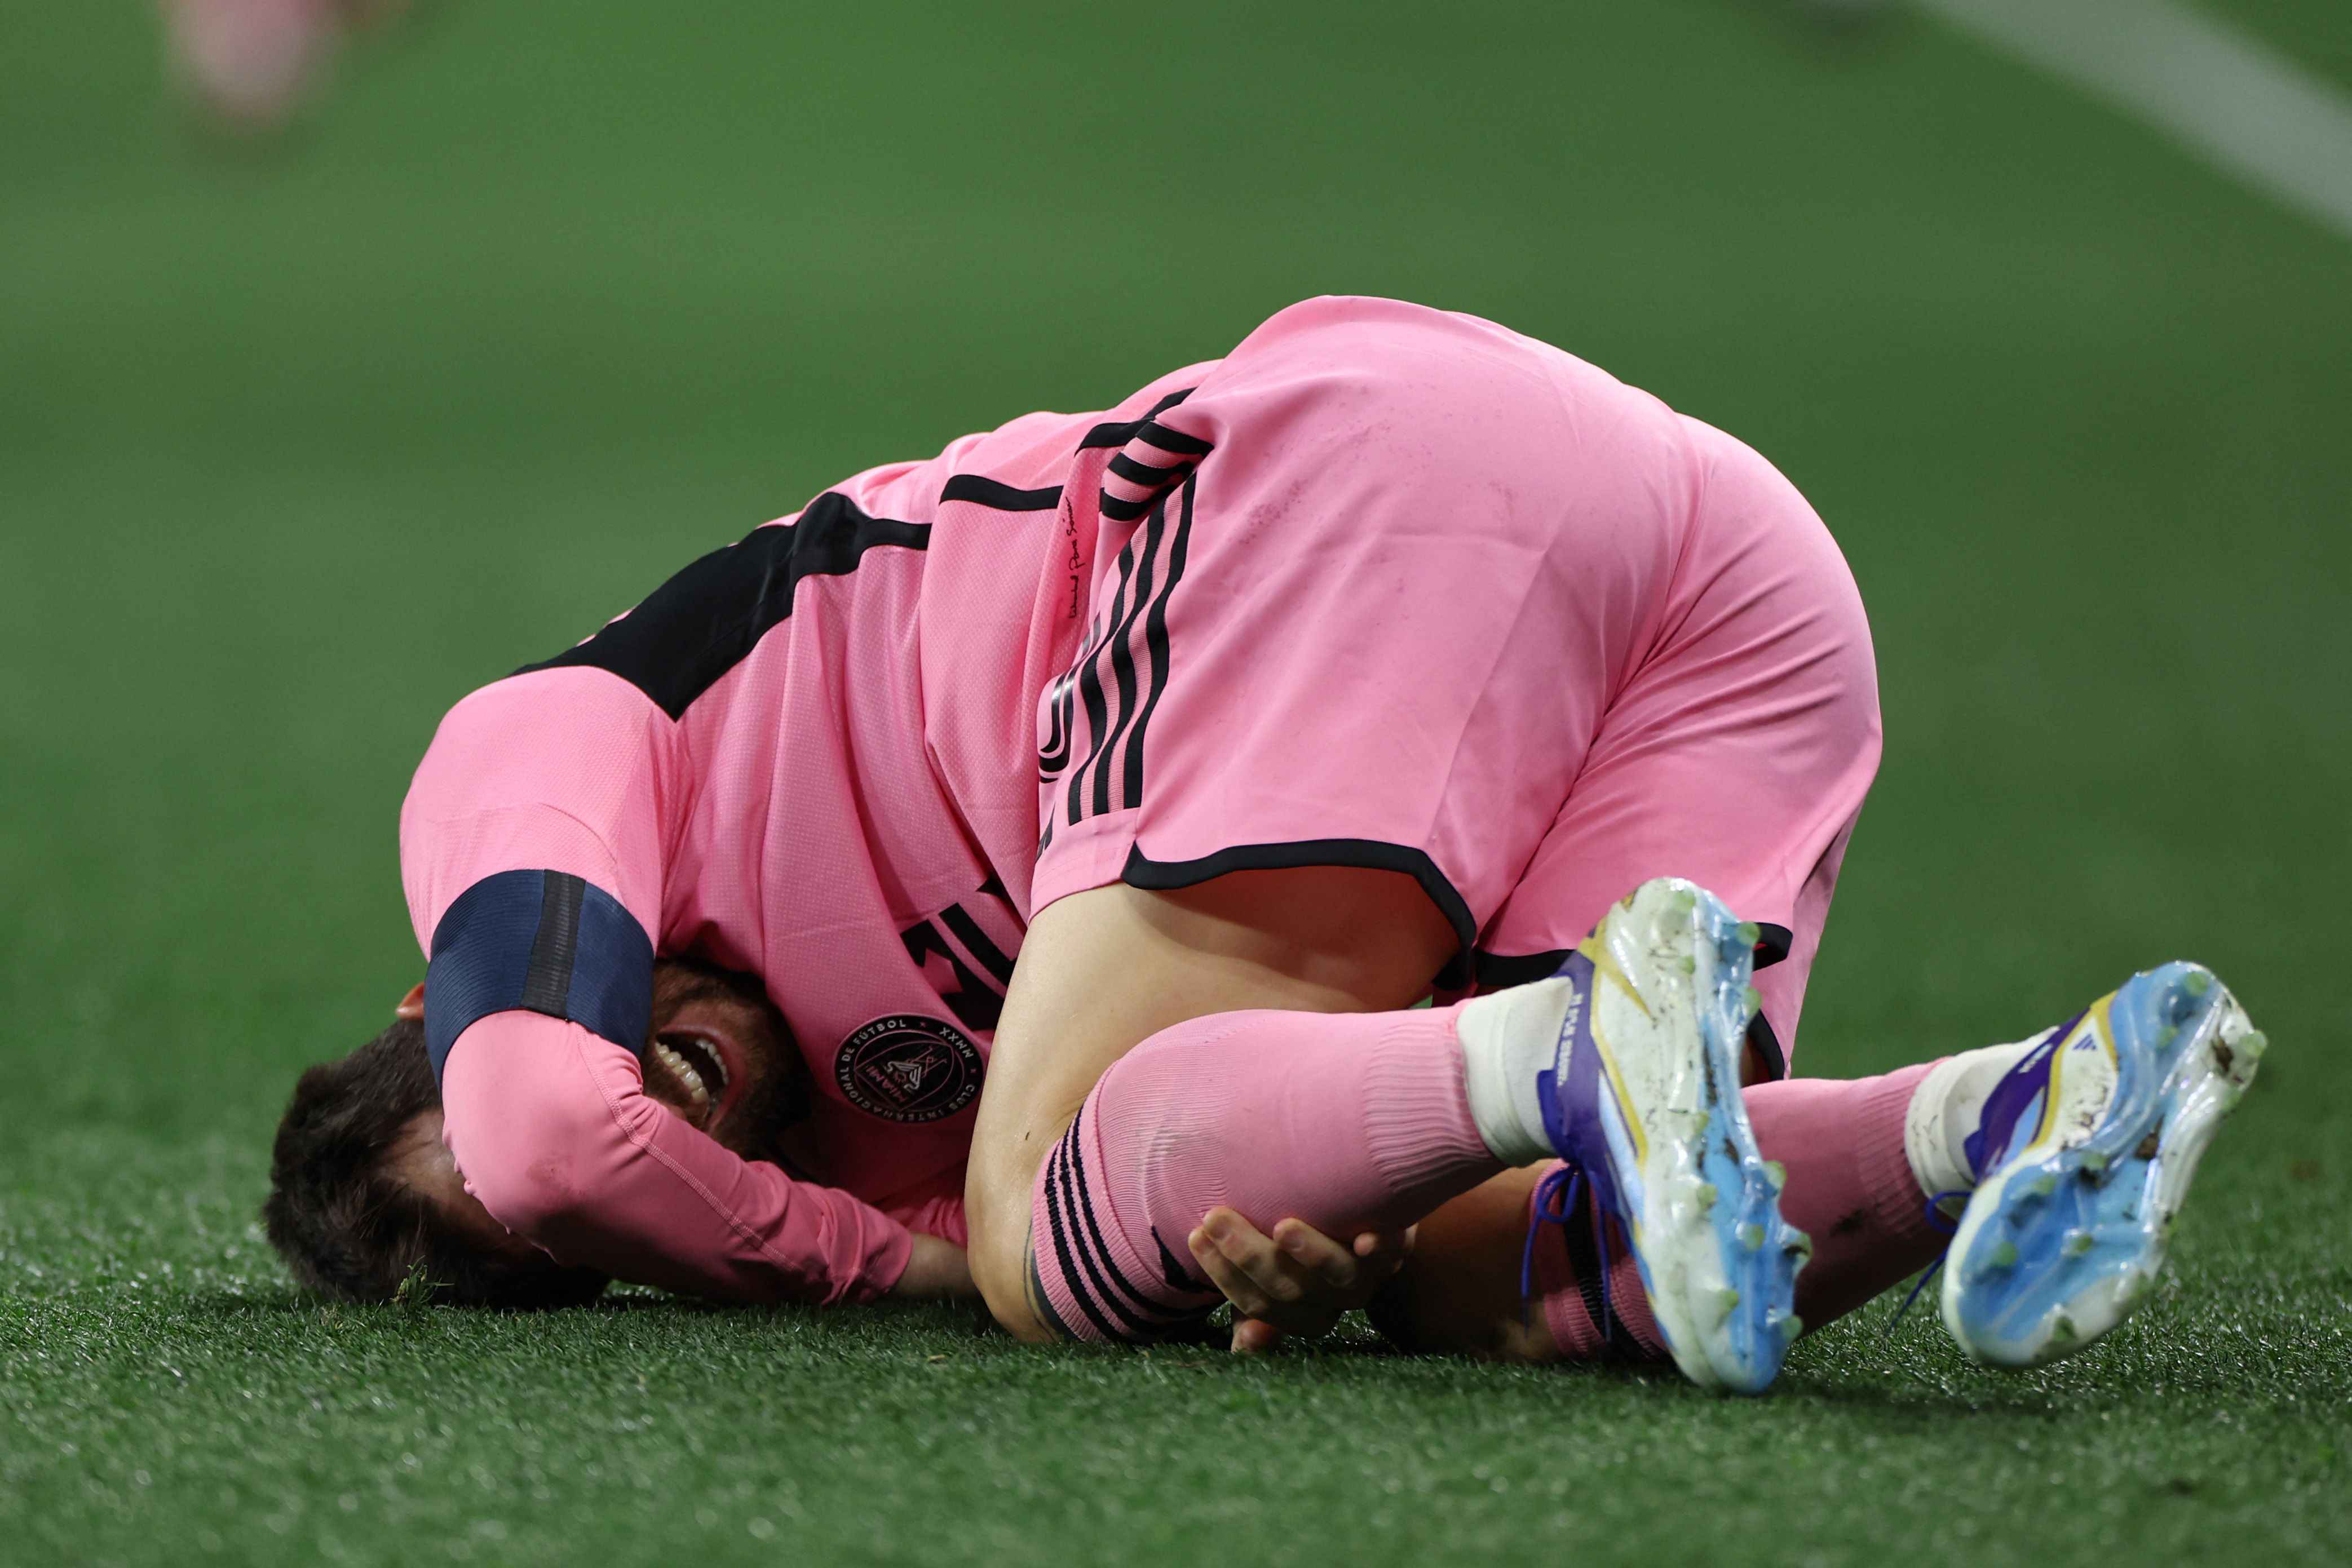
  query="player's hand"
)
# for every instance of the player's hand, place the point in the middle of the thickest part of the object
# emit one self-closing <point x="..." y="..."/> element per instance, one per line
<point x="1298" y="1281"/>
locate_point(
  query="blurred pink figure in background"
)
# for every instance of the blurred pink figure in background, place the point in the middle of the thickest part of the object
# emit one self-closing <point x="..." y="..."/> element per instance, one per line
<point x="250" y="64"/>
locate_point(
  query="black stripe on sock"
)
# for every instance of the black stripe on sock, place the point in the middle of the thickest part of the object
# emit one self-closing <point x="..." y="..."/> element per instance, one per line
<point x="1053" y="1202"/>
<point x="1584" y="1262"/>
<point x="1179" y="1277"/>
<point x="1082" y="1224"/>
<point x="1038" y="1299"/>
<point x="1078" y="1167"/>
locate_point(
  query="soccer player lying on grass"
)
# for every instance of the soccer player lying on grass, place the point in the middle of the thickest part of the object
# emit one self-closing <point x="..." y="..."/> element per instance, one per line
<point x="365" y="1195"/>
<point x="1166" y="755"/>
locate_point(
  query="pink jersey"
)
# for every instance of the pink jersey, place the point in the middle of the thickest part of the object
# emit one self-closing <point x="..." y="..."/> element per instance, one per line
<point x="811" y="755"/>
<point x="1386" y="586"/>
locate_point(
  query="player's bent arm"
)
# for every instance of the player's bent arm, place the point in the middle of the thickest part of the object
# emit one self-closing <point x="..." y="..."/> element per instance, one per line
<point x="1103" y="970"/>
<point x="559" y="1142"/>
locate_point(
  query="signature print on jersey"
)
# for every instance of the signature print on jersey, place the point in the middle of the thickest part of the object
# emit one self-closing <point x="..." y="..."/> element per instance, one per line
<point x="907" y="1068"/>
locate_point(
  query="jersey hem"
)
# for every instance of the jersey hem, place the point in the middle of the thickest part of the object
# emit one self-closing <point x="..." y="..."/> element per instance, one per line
<point x="1160" y="876"/>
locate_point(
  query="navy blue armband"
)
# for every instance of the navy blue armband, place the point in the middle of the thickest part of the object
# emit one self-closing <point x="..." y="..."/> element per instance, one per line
<point x="542" y="942"/>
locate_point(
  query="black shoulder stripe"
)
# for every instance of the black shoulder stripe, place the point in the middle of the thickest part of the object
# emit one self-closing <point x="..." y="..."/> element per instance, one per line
<point x="985" y="492"/>
<point x="705" y="620"/>
<point x="1120" y="432"/>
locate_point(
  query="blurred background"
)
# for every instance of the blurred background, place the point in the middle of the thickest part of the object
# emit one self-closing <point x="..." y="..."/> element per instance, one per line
<point x="421" y="352"/>
<point x="305" y="433"/>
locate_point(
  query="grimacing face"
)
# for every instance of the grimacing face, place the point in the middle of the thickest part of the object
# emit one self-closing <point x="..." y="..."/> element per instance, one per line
<point x="719" y="1056"/>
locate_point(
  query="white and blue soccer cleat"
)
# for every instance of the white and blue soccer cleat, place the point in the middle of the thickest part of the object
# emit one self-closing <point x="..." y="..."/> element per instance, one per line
<point x="1642" y="1099"/>
<point x="2085" y="1149"/>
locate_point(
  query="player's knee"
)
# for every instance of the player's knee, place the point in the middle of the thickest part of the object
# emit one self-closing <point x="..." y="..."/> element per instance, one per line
<point x="997" y="1223"/>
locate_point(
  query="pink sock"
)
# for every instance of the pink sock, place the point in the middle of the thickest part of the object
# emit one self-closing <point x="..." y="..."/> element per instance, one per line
<point x="1849" y="1188"/>
<point x="1586" y="1322"/>
<point x="1348" y="1122"/>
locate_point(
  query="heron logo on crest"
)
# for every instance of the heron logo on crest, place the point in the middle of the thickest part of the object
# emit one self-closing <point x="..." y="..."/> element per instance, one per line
<point x="907" y="1068"/>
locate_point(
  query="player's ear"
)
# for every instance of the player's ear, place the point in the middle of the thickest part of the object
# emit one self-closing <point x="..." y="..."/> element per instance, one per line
<point x="412" y="1006"/>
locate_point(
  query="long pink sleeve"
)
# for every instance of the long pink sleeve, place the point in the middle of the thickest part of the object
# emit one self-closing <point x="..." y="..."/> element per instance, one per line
<point x="575" y="771"/>
<point x="560" y="1144"/>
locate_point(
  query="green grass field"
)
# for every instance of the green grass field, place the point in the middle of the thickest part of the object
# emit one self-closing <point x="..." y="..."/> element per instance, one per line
<point x="296" y="445"/>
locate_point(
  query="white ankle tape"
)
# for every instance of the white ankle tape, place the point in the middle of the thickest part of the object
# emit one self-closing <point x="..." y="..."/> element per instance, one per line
<point x="1507" y="1039"/>
<point x="1945" y="1110"/>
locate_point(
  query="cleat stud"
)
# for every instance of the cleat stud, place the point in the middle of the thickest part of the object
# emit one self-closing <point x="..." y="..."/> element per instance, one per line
<point x="1792" y="1327"/>
<point x="2197" y="983"/>
<point x="1777" y="1174"/>
<point x="1705" y="1196"/>
<point x="2251" y="1044"/>
<point x="2094" y="1164"/>
<point x="1751" y="1236"/>
<point x="1753" y="1000"/>
<point x="1799" y="1244"/>
<point x="1690" y="965"/>
<point x="2042" y="1187"/>
<point x="2062" y="1332"/>
<point x="2077" y="1243"/>
<point x="2004" y="1255"/>
<point x="1685" y="898"/>
<point x="1751" y="934"/>
<point x="1726" y="1299"/>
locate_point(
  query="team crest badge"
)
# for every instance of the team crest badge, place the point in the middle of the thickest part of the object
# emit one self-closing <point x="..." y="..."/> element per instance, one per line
<point x="908" y="1067"/>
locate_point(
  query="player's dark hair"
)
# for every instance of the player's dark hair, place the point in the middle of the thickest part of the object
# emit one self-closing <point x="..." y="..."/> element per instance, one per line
<point x="352" y="1230"/>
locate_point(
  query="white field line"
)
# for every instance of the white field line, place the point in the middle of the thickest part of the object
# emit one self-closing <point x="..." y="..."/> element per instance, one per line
<point x="2232" y="98"/>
